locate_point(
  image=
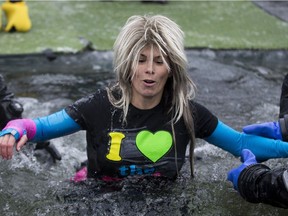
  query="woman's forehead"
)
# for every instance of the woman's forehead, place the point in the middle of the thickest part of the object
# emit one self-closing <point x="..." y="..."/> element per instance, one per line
<point x="149" y="49"/>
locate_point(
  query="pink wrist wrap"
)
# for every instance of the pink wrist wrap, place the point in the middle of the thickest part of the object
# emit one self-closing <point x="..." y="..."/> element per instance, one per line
<point x="23" y="126"/>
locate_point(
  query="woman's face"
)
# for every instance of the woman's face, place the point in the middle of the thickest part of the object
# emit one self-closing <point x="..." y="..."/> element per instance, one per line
<point x="149" y="80"/>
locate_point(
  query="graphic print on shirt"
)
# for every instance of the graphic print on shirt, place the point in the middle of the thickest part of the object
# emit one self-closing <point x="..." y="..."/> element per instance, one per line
<point x="115" y="144"/>
<point x="154" y="146"/>
<point x="131" y="145"/>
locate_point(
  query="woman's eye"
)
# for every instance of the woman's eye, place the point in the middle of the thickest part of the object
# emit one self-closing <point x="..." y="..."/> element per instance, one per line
<point x="159" y="60"/>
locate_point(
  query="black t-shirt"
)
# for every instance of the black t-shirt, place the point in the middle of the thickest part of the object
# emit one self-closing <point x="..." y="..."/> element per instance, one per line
<point x="143" y="145"/>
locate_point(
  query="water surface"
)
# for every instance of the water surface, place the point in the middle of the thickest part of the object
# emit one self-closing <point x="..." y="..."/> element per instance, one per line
<point x="239" y="87"/>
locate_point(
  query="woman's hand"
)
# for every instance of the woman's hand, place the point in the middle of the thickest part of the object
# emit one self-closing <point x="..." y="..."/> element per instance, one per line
<point x="7" y="143"/>
<point x="18" y="130"/>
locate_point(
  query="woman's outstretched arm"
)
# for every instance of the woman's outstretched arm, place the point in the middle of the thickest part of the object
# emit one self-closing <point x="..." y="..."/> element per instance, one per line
<point x="234" y="142"/>
<point x="39" y="129"/>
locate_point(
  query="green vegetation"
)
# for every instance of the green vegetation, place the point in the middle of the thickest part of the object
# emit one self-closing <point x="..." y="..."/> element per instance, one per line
<point x="59" y="25"/>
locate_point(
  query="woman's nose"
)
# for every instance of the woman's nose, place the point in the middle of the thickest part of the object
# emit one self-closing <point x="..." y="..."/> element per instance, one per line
<point x="149" y="67"/>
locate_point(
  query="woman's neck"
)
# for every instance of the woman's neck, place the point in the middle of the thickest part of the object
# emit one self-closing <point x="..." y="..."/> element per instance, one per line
<point x="145" y="103"/>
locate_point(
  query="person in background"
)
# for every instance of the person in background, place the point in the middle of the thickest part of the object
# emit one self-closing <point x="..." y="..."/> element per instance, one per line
<point x="155" y="1"/>
<point x="0" y="19"/>
<point x="17" y="16"/>
<point x="143" y="123"/>
<point x="256" y="182"/>
<point x="11" y="109"/>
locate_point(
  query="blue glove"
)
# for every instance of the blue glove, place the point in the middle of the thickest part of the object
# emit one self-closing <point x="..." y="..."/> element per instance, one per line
<point x="248" y="158"/>
<point x="267" y="129"/>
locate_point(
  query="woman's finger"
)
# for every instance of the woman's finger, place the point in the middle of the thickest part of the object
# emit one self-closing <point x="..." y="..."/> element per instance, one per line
<point x="10" y="146"/>
<point x="21" y="142"/>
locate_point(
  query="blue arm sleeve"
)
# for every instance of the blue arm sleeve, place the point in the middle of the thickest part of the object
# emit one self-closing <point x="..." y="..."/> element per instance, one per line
<point x="234" y="142"/>
<point x="54" y="125"/>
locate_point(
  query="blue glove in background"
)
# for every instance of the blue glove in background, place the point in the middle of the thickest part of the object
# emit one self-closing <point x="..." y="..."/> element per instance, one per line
<point x="248" y="158"/>
<point x="267" y="129"/>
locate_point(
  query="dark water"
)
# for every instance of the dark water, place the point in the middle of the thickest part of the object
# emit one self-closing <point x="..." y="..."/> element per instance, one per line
<point x="240" y="87"/>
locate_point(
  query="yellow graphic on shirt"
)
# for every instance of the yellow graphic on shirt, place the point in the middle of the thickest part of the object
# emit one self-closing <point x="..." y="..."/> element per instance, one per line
<point x="114" y="152"/>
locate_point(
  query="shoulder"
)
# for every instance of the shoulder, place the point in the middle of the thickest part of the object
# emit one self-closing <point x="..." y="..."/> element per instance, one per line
<point x="93" y="107"/>
<point x="205" y="121"/>
<point x="98" y="97"/>
<point x="198" y="108"/>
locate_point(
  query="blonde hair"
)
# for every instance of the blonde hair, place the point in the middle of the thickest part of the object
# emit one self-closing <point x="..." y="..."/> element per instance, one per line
<point x="168" y="38"/>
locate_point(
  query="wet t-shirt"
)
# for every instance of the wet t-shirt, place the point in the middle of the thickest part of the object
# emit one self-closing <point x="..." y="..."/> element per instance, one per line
<point x="143" y="145"/>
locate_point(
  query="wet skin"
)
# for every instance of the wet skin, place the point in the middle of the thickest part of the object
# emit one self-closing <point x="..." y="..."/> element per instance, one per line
<point x="149" y="80"/>
<point x="7" y="143"/>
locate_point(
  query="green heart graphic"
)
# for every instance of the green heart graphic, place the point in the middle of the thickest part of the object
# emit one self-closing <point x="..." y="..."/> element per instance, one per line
<point x="154" y="146"/>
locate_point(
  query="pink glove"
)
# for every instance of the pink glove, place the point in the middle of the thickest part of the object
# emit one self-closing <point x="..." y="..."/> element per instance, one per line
<point x="20" y="127"/>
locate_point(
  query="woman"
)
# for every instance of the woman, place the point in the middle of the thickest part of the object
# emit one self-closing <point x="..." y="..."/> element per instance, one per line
<point x="143" y="124"/>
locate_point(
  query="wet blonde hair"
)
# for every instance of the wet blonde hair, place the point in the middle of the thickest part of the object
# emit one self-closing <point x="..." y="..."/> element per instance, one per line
<point x="166" y="36"/>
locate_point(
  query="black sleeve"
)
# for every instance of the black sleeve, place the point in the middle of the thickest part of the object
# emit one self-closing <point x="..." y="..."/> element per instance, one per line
<point x="259" y="184"/>
<point x="204" y="121"/>
<point x="90" y="109"/>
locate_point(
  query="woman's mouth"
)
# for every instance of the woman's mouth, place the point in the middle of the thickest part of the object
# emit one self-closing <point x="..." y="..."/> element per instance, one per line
<point x="149" y="81"/>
